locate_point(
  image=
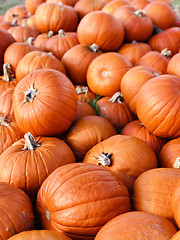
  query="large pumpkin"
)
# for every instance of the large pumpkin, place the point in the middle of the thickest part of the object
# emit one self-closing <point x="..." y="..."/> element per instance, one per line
<point x="45" y="102"/>
<point x="137" y="225"/>
<point x="78" y="199"/>
<point x="173" y="66"/>
<point x="175" y="203"/>
<point x="157" y="106"/>
<point x="28" y="162"/>
<point x="16" y="211"/>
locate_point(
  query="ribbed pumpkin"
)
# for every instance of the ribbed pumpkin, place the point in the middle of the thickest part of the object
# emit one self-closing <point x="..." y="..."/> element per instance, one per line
<point x="16" y="211"/>
<point x="31" y="5"/>
<point x="113" y="5"/>
<point x="83" y="110"/>
<point x="157" y="106"/>
<point x="153" y="191"/>
<point x="41" y="39"/>
<point x="101" y="28"/>
<point x="73" y="59"/>
<point x="105" y="72"/>
<point x="38" y="60"/>
<point x="86" y="133"/>
<point x="173" y="66"/>
<point x="169" y="155"/>
<point x="45" y="103"/>
<point x="137" y="129"/>
<point x="65" y="2"/>
<point x="132" y="81"/>
<point x="40" y="235"/>
<point x="137" y="225"/>
<point x="175" y="203"/>
<point x="134" y="51"/>
<point x="18" y="10"/>
<point x="176" y="236"/>
<point x="115" y="110"/>
<point x="29" y="161"/>
<point x="6" y="101"/>
<point x="78" y="199"/>
<point x="140" y="4"/>
<point x="84" y="93"/>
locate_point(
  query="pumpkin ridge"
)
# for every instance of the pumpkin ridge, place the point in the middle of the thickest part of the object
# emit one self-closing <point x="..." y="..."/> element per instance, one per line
<point x="9" y="219"/>
<point x="42" y="159"/>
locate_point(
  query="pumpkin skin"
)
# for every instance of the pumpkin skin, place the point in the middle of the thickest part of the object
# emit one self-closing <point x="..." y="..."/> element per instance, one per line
<point x="6" y="101"/>
<point x="115" y="110"/>
<point x="89" y="186"/>
<point x="169" y="38"/>
<point x="153" y="191"/>
<point x="95" y="128"/>
<point x="132" y="81"/>
<point x="113" y="5"/>
<point x="15" y="11"/>
<point x="73" y="59"/>
<point x="50" y="112"/>
<point x="173" y="66"/>
<point x="140" y="4"/>
<point x="6" y="39"/>
<point x="31" y="6"/>
<point x="101" y="28"/>
<point x="157" y="106"/>
<point x="16" y="211"/>
<point x="41" y="39"/>
<point x="176" y="236"/>
<point x="137" y="129"/>
<point x="137" y="225"/>
<point x="125" y="154"/>
<point x="83" y="110"/>
<point x="175" y="203"/>
<point x="65" y="2"/>
<point x="38" y="60"/>
<point x="105" y="72"/>
<point x="165" y="11"/>
<point x="134" y="51"/>
<point x="169" y="155"/>
<point x="40" y="235"/>
<point x="137" y="25"/>
<point x="64" y="17"/>
<point x="60" y="43"/>
<point x="154" y="59"/>
<point x="36" y="158"/>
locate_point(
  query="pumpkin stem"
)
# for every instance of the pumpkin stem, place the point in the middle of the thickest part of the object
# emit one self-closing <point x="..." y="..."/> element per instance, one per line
<point x="94" y="47"/>
<point x="50" y="34"/>
<point x="117" y="98"/>
<point x="156" y="74"/>
<point x="81" y="89"/>
<point x="30" y="142"/>
<point x="4" y="121"/>
<point x="177" y="163"/>
<point x="48" y="215"/>
<point x="61" y="33"/>
<point x="30" y="94"/>
<point x="24" y="23"/>
<point x="140" y="12"/>
<point x="165" y="52"/>
<point x="30" y="41"/>
<point x="104" y="159"/>
<point x="14" y="22"/>
<point x="8" y="72"/>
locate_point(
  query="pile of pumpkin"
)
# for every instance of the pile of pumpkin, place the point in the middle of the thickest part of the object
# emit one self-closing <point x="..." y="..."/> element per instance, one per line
<point x="90" y="120"/>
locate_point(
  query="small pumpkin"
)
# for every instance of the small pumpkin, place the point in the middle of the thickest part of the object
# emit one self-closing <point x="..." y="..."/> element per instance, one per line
<point x="15" y="11"/>
<point x="83" y="109"/>
<point x="175" y="203"/>
<point x="31" y="5"/>
<point x="113" y="5"/>
<point x="173" y="66"/>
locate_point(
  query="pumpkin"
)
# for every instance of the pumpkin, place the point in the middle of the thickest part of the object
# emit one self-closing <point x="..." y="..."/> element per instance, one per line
<point x="113" y="5"/>
<point x="52" y="16"/>
<point x="137" y="25"/>
<point x="41" y="39"/>
<point x="175" y="206"/>
<point x="137" y="225"/>
<point x="60" y="43"/>
<point x="173" y="66"/>
<point x="83" y="7"/>
<point x="134" y="51"/>
<point x="105" y="72"/>
<point x="96" y="197"/>
<point x="40" y="235"/>
<point x="65" y="2"/>
<point x="31" y="5"/>
<point x="30" y="21"/>
<point x="101" y="28"/>
<point x="6" y="39"/>
<point x="123" y="156"/>
<point x="169" y="156"/>
<point x="83" y="109"/>
<point x="73" y="59"/>
<point x="132" y="81"/>
<point x="16" y="211"/>
<point x="86" y="133"/>
<point x="6" y="101"/>
<point x="153" y="191"/>
<point x="38" y="60"/>
<point x="6" y="25"/>
<point x="169" y="38"/>
<point x="17" y="50"/>
<point x="28" y="162"/>
<point x="176" y="236"/>
<point x="45" y="102"/>
<point x="115" y="110"/>
<point x="140" y="4"/>
<point x="165" y="11"/>
<point x="137" y="129"/>
<point x="157" y="60"/>
<point x="15" y="11"/>
<point x="84" y="93"/>
<point x="157" y="106"/>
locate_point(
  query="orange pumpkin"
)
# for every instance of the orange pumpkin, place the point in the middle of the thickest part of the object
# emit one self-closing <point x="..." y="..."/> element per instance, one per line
<point x="31" y="5"/>
<point x="173" y="66"/>
<point x="83" y="110"/>
<point x="65" y="2"/>
<point x="96" y="197"/>
<point x="15" y="11"/>
<point x="45" y="103"/>
<point x="176" y="236"/>
<point x="84" y="93"/>
<point x="137" y="225"/>
<point x="175" y="200"/>
<point x="113" y="5"/>
<point x="6" y="101"/>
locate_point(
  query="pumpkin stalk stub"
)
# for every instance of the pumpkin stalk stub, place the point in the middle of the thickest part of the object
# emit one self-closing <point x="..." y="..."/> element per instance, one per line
<point x="94" y="47"/>
<point x="8" y="72"/>
<point x="4" y="121"/>
<point x="81" y="89"/>
<point x="104" y="159"/>
<point x="117" y="98"/>
<point x="177" y="163"/>
<point x="140" y="12"/>
<point x="165" y="52"/>
<point x="47" y="215"/>
<point x="30" y="94"/>
<point x="30" y="142"/>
